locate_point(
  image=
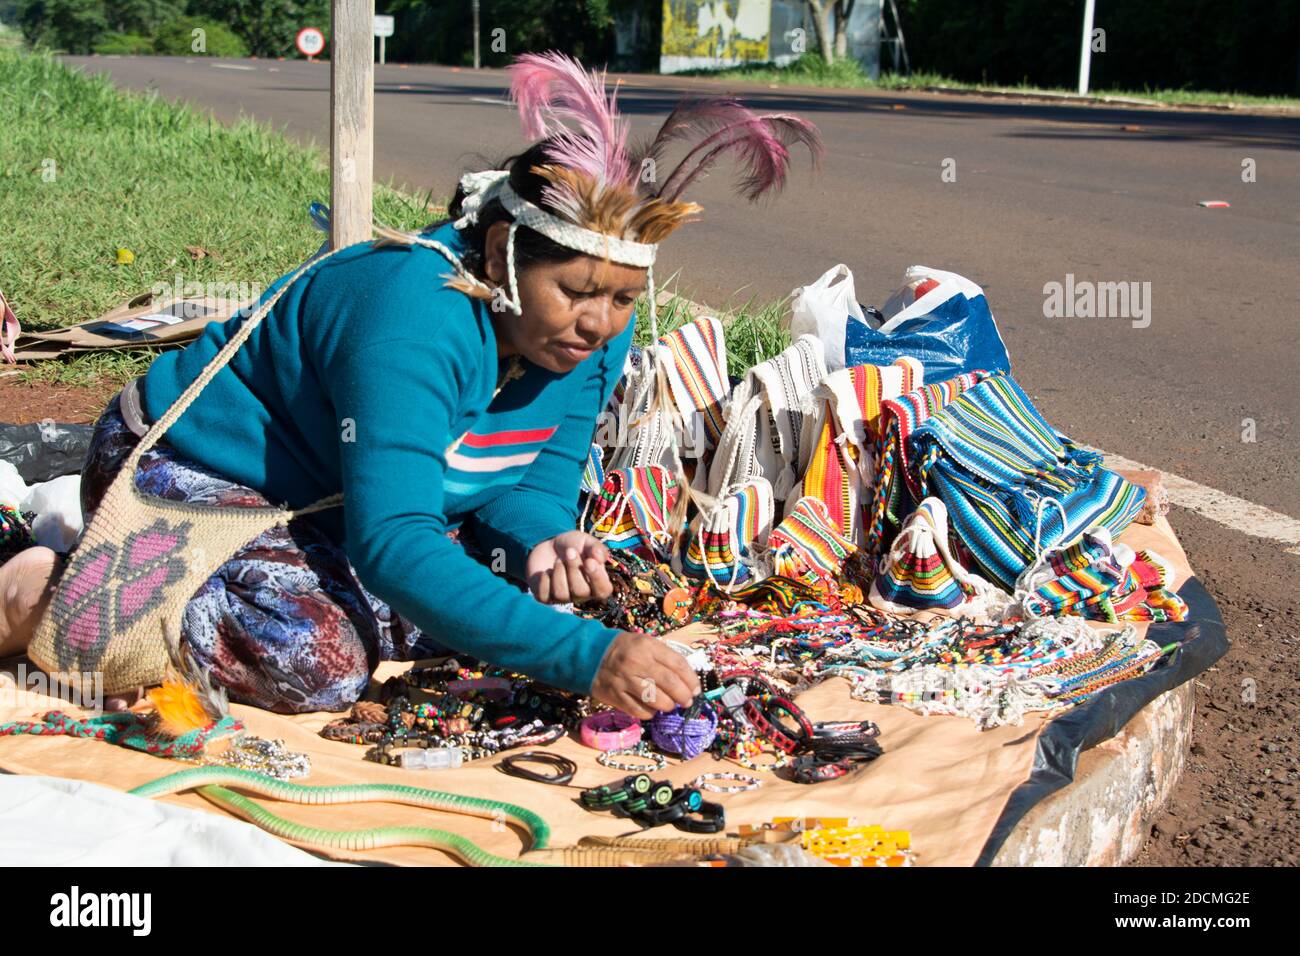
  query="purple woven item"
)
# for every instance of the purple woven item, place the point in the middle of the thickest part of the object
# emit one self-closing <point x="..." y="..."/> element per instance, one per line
<point x="689" y="737"/>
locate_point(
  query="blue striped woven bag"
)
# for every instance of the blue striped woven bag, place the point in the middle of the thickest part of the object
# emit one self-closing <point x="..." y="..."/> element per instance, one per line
<point x="1013" y="485"/>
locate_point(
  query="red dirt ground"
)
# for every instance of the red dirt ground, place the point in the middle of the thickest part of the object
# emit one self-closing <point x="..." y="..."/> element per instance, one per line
<point x="21" y="404"/>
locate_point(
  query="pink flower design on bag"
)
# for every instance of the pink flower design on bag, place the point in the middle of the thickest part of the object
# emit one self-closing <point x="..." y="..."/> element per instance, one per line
<point x="107" y="589"/>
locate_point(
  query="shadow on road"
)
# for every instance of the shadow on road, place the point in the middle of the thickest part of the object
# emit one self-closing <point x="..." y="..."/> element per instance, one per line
<point x="1281" y="131"/>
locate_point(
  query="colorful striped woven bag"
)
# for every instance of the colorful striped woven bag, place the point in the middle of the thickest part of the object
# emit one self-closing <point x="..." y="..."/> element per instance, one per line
<point x="894" y="495"/>
<point x="593" y="472"/>
<point x="839" y="466"/>
<point x="998" y="465"/>
<point x="807" y="546"/>
<point x="1102" y="581"/>
<point x="633" y="511"/>
<point x="697" y="376"/>
<point x="921" y="574"/>
<point x="765" y="419"/>
<point x="724" y="536"/>
<point x="671" y="408"/>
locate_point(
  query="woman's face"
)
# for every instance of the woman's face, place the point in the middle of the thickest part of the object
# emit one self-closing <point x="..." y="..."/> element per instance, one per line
<point x="570" y="309"/>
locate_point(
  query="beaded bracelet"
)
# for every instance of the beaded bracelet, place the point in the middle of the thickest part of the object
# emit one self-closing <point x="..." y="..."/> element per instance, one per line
<point x="641" y="750"/>
<point x="746" y="782"/>
<point x="781" y="737"/>
<point x="610" y="730"/>
<point x="350" y="732"/>
<point x="780" y="760"/>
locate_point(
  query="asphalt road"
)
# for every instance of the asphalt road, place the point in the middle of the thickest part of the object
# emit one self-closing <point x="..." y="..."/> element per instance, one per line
<point x="1041" y="192"/>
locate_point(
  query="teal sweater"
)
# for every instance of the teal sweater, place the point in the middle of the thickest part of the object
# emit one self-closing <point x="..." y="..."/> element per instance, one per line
<point x="357" y="381"/>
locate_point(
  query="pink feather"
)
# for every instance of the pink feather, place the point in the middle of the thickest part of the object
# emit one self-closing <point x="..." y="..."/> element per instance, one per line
<point x="553" y="91"/>
<point x="760" y="142"/>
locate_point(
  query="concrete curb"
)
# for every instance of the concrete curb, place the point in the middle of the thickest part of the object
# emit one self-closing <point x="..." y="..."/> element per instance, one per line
<point x="1104" y="817"/>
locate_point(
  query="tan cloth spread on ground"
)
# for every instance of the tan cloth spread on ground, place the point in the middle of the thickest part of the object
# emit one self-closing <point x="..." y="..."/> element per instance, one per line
<point x="939" y="777"/>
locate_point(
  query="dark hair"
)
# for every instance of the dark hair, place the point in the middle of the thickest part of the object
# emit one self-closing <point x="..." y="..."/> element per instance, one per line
<point x="530" y="246"/>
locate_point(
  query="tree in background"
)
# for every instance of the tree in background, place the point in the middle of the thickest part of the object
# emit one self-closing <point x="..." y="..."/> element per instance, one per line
<point x="1244" y="46"/>
<point x="267" y="27"/>
<point x="638" y="34"/>
<point x="264" y="27"/>
<point x="582" y="28"/>
<point x="441" y="31"/>
<point x="70" y="25"/>
<point x="140" y="16"/>
<point x="831" y="24"/>
<point x="177" y="38"/>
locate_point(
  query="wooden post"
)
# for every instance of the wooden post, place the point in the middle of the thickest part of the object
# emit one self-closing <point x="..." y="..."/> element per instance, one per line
<point x="352" y="121"/>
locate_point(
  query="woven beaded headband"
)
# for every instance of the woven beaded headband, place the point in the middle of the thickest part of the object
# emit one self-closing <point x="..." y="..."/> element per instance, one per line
<point x="482" y="187"/>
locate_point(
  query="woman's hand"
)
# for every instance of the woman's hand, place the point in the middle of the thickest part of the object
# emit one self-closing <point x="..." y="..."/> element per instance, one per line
<point x="568" y="567"/>
<point x="641" y="675"/>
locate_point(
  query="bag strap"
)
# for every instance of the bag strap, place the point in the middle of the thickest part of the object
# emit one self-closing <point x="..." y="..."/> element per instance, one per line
<point x="209" y="372"/>
<point x="215" y="365"/>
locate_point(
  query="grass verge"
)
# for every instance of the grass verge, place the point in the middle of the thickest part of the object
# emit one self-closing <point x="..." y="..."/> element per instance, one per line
<point x="86" y="169"/>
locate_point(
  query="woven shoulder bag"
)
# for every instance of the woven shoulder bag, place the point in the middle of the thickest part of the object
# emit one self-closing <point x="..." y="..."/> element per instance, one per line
<point x="141" y="560"/>
<point x="1012" y="484"/>
<point x="764" y="421"/>
<point x="837" y="465"/>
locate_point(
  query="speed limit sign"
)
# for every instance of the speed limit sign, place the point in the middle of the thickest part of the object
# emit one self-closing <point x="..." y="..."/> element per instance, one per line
<point x="310" y="41"/>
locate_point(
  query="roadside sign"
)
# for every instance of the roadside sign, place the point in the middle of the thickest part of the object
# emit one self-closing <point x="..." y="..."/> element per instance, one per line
<point x="383" y="25"/>
<point x="310" y="41"/>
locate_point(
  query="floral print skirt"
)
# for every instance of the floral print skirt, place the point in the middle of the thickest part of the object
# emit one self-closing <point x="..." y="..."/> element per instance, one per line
<point x="284" y="624"/>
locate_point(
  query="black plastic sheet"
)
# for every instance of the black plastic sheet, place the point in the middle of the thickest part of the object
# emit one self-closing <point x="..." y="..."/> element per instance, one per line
<point x="45" y="450"/>
<point x="1202" y="640"/>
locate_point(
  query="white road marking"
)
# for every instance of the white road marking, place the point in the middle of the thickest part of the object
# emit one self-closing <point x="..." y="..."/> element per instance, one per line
<point x="231" y="66"/>
<point x="1220" y="507"/>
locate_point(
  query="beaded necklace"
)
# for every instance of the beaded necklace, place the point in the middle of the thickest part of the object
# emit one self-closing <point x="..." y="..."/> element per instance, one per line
<point x="481" y="710"/>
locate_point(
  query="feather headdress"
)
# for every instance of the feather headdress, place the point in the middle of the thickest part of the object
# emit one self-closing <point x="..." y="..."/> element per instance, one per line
<point x="595" y="181"/>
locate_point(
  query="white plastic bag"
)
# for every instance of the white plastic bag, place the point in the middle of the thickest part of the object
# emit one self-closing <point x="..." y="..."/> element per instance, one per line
<point x="934" y="285"/>
<point x="57" y="504"/>
<point x="13" y="490"/>
<point x="823" y="309"/>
